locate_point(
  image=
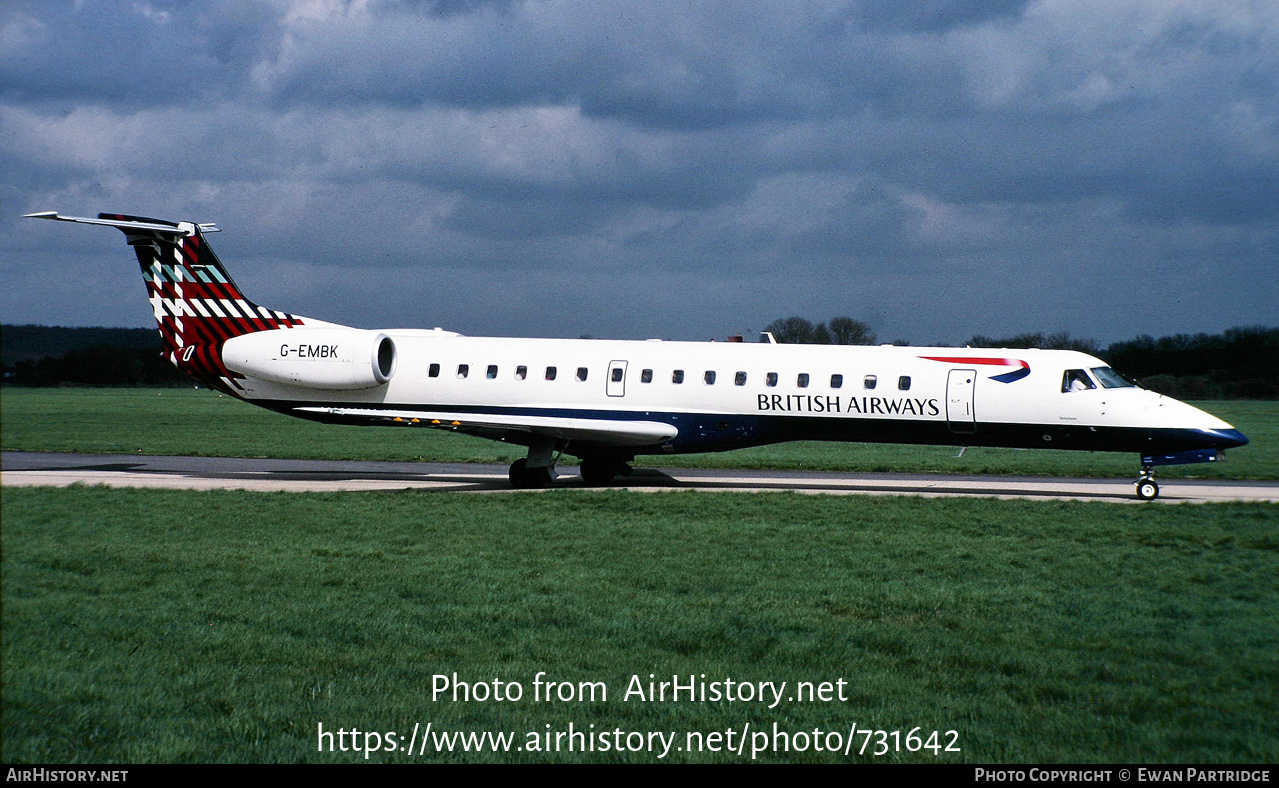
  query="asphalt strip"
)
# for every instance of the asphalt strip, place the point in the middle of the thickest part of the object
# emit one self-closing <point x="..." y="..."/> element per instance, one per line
<point x="28" y="469"/>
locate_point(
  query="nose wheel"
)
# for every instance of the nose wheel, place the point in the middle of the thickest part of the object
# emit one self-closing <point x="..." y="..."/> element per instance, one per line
<point x="1147" y="489"/>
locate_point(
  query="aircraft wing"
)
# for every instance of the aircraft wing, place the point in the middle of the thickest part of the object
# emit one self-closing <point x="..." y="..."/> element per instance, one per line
<point x="519" y="429"/>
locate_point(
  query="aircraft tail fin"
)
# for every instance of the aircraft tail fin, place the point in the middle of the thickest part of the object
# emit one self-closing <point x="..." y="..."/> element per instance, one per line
<point x="196" y="303"/>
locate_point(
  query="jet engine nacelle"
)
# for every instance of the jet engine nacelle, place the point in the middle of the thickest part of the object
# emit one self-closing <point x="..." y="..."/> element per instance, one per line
<point x="319" y="358"/>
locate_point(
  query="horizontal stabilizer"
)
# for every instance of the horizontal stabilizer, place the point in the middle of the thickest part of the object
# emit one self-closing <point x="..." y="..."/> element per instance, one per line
<point x="613" y="432"/>
<point x="126" y="222"/>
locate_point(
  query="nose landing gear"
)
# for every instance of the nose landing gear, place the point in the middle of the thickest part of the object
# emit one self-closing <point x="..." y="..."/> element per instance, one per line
<point x="1147" y="489"/>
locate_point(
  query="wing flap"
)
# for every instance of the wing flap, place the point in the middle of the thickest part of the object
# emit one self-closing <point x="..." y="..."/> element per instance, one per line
<point x="614" y="432"/>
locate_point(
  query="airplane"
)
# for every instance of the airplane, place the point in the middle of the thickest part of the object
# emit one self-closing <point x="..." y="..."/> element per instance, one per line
<point x="610" y="401"/>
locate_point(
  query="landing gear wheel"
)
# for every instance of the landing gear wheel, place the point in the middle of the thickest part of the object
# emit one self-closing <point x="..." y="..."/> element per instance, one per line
<point x="599" y="471"/>
<point x="525" y="478"/>
<point x="1147" y="490"/>
<point x="517" y="475"/>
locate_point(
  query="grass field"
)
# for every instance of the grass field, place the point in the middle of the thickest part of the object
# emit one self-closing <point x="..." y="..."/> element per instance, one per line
<point x="201" y="423"/>
<point x="147" y="625"/>
<point x="225" y="626"/>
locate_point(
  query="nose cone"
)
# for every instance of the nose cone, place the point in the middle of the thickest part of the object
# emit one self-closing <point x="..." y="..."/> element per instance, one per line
<point x="1228" y="439"/>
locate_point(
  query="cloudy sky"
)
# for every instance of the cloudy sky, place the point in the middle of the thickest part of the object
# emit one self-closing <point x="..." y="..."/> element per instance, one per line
<point x="657" y="169"/>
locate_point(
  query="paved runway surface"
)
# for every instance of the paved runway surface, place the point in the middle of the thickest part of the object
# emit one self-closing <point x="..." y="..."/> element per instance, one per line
<point x="21" y="469"/>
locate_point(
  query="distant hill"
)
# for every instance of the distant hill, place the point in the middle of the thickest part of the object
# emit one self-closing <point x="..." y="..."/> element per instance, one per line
<point x="32" y="343"/>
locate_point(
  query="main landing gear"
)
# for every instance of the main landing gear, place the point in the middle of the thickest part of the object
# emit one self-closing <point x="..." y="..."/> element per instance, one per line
<point x="1147" y="489"/>
<point x="525" y="478"/>
<point x="535" y="471"/>
<point x="599" y="471"/>
<point x="538" y="469"/>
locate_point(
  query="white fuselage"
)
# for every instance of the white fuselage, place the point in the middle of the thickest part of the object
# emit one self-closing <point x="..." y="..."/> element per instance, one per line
<point x="782" y="391"/>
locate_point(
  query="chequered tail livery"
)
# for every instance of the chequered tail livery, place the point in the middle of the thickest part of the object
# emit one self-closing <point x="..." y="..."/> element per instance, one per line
<point x="197" y="305"/>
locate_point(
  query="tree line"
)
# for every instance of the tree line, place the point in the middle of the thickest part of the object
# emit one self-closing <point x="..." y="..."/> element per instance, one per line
<point x="1240" y="363"/>
<point x="59" y="356"/>
<point x="836" y="331"/>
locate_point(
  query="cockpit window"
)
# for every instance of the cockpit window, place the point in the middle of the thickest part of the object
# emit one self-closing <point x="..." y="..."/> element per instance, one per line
<point x="1111" y="379"/>
<point x="1076" y="380"/>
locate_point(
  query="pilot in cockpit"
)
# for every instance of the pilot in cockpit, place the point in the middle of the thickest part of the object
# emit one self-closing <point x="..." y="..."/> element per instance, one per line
<point x="1076" y="380"/>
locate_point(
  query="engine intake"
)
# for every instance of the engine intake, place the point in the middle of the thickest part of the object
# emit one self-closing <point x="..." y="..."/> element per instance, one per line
<point x="336" y="359"/>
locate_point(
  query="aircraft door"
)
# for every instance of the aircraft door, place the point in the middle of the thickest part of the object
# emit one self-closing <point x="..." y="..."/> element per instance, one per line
<point x="960" y="387"/>
<point x="616" y="378"/>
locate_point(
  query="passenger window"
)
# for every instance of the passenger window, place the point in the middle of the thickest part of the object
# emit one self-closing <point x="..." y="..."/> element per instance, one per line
<point x="646" y="376"/>
<point x="903" y="383"/>
<point x="677" y="376"/>
<point x="836" y="381"/>
<point x="869" y="381"/>
<point x="802" y="380"/>
<point x="521" y="372"/>
<point x="550" y="373"/>
<point x="581" y="373"/>
<point x="617" y="374"/>
<point x="770" y="379"/>
<point x="491" y="373"/>
<point x="463" y="369"/>
<point x="709" y="377"/>
<point x="1076" y="380"/>
<point x="739" y="379"/>
<point x="434" y="371"/>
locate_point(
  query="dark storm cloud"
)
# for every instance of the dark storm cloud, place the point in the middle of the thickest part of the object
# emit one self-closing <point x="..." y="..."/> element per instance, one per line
<point x="932" y="15"/>
<point x="1034" y="165"/>
<point x="657" y="65"/>
<point x="653" y="64"/>
<point x="133" y="55"/>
